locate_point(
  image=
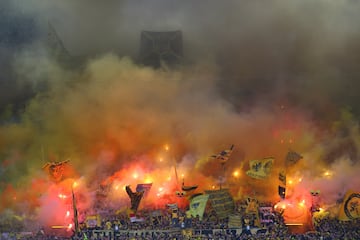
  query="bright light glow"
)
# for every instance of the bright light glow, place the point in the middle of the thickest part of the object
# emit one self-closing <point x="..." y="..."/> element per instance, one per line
<point x="327" y="174"/>
<point x="161" y="189"/>
<point x="290" y="182"/>
<point x="75" y="184"/>
<point x="70" y="226"/>
<point x="236" y="173"/>
<point x="280" y="205"/>
<point x="161" y="159"/>
<point x="169" y="178"/>
<point x="302" y="203"/>
<point x="166" y="146"/>
<point x="62" y="196"/>
<point x="148" y="180"/>
<point x="116" y="187"/>
<point x="135" y="175"/>
<point x="67" y="213"/>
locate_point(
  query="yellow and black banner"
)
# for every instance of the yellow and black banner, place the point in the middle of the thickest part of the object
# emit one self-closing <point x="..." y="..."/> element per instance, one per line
<point x="350" y="207"/>
<point x="222" y="202"/>
<point x="260" y="169"/>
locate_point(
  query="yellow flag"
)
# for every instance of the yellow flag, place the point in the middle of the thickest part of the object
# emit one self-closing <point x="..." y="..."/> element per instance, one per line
<point x="197" y="206"/>
<point x="260" y="169"/>
<point x="350" y="207"/>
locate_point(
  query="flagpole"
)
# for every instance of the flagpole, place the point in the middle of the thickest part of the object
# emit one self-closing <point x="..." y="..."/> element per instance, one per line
<point x="223" y="174"/>
<point x="42" y="153"/>
<point x="75" y="212"/>
<point x="173" y="159"/>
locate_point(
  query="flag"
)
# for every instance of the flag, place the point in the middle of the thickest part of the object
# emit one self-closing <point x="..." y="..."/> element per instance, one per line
<point x="135" y="198"/>
<point x="134" y="218"/>
<point x="282" y="184"/>
<point x="197" y="206"/>
<point x="76" y="221"/>
<point x="224" y="155"/>
<point x="260" y="169"/>
<point x="221" y="202"/>
<point x="188" y="188"/>
<point x="292" y="158"/>
<point x="58" y="171"/>
<point x="144" y="187"/>
<point x="350" y="207"/>
<point x="235" y="221"/>
<point x="252" y="209"/>
<point x="282" y="177"/>
<point x="282" y="192"/>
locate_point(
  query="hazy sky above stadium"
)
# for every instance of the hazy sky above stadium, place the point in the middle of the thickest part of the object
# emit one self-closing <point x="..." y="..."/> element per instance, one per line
<point x="279" y="48"/>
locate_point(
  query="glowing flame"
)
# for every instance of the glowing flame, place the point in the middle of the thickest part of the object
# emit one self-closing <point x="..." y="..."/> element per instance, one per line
<point x="280" y="205"/>
<point x="327" y="174"/>
<point x="148" y="180"/>
<point x="166" y="147"/>
<point x="61" y="196"/>
<point x="302" y="203"/>
<point x="236" y="174"/>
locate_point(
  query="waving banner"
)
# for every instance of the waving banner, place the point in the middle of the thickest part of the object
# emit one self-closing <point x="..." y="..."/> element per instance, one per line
<point x="292" y="158"/>
<point x="197" y="206"/>
<point x="135" y="198"/>
<point x="221" y="202"/>
<point x="260" y="169"/>
<point x="350" y="207"/>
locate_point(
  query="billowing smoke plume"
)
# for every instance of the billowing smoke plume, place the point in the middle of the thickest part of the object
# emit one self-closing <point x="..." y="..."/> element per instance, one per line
<point x="266" y="77"/>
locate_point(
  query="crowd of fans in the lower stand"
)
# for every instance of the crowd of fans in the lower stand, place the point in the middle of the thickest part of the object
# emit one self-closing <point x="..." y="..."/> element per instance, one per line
<point x="162" y="225"/>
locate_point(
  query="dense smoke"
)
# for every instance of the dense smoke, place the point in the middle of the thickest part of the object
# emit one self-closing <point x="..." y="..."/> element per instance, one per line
<point x="266" y="77"/>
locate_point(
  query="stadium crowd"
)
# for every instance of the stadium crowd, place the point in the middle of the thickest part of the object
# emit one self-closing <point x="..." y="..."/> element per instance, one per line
<point x="162" y="225"/>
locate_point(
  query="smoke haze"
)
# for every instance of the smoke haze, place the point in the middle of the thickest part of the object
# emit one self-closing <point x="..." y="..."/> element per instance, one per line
<point x="264" y="76"/>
